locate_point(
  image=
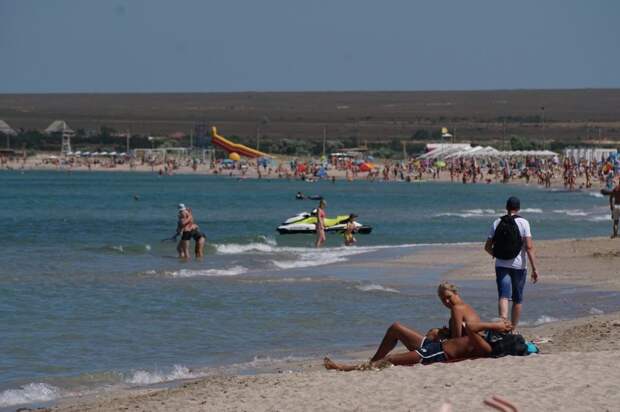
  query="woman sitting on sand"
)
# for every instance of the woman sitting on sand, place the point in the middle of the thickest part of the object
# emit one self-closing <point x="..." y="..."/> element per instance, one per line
<point x="460" y="341"/>
<point x="460" y="313"/>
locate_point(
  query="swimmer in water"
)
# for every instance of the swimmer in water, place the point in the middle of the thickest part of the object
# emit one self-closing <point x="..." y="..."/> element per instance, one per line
<point x="188" y="231"/>
<point x="349" y="240"/>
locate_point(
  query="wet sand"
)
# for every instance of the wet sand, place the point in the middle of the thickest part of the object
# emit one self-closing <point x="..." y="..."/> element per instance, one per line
<point x="576" y="370"/>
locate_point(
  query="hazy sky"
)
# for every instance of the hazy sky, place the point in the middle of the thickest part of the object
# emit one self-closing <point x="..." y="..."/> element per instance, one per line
<point x="269" y="45"/>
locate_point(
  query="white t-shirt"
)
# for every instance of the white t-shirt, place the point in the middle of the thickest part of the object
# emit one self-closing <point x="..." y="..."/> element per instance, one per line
<point x="519" y="262"/>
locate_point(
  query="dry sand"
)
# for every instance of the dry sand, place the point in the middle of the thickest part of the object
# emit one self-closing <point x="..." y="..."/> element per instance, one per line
<point x="576" y="370"/>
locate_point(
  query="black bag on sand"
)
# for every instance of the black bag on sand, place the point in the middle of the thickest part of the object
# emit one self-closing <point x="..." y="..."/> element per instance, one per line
<point x="507" y="344"/>
<point x="507" y="241"/>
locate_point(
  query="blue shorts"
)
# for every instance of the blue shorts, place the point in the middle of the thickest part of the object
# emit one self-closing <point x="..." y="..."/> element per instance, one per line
<point x="431" y="352"/>
<point x="510" y="283"/>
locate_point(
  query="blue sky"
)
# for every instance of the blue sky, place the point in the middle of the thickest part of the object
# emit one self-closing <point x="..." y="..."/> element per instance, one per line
<point x="289" y="45"/>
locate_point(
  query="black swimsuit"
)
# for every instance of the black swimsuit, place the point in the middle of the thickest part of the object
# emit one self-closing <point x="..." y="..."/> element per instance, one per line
<point x="192" y="234"/>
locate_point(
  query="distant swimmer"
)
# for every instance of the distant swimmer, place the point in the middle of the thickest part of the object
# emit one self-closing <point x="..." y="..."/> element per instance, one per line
<point x="188" y="231"/>
<point x="301" y="196"/>
<point x="136" y="197"/>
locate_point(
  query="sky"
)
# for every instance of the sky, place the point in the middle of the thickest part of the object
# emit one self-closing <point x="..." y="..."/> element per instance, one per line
<point x="102" y="46"/>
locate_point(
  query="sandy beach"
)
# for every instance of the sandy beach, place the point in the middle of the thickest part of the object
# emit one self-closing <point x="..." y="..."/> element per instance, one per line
<point x="575" y="371"/>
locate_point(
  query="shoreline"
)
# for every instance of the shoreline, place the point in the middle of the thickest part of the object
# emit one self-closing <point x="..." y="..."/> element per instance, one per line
<point x="576" y="354"/>
<point x="574" y="344"/>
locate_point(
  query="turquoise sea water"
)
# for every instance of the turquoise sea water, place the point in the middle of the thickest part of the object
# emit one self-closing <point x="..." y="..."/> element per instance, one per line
<point x="91" y="298"/>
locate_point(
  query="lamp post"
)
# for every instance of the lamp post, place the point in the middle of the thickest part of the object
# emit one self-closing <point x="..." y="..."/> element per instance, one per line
<point x="543" y="126"/>
<point x="324" y="139"/>
<point x="263" y="121"/>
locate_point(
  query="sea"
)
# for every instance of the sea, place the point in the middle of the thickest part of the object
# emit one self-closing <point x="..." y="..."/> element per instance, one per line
<point x="93" y="298"/>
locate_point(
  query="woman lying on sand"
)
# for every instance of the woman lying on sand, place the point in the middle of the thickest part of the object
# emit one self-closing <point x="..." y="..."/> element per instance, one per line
<point x="464" y="341"/>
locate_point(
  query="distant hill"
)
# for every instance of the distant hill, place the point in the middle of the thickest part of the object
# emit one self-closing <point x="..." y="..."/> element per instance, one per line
<point x="366" y="116"/>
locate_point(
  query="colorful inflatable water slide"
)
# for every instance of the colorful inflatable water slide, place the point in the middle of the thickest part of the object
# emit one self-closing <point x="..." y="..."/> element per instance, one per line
<point x="231" y="147"/>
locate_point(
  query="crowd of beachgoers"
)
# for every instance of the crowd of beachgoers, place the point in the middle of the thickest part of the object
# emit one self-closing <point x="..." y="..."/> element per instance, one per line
<point x="572" y="173"/>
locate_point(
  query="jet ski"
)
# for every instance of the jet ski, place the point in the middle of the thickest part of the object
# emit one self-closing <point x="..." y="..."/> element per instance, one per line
<point x="306" y="223"/>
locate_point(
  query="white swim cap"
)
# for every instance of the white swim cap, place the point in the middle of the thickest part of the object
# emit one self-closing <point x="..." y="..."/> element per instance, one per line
<point x="182" y="206"/>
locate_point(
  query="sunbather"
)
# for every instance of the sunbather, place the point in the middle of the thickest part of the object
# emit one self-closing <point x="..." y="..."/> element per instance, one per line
<point x="426" y="351"/>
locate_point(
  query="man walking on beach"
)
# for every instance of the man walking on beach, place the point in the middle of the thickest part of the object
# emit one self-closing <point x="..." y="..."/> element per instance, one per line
<point x="614" y="205"/>
<point x="509" y="241"/>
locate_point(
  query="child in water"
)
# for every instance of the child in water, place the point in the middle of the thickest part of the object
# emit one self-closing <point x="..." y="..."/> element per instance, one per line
<point x="349" y="240"/>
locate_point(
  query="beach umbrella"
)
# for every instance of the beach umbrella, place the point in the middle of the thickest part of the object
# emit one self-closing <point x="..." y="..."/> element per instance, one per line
<point x="234" y="156"/>
<point x="112" y="153"/>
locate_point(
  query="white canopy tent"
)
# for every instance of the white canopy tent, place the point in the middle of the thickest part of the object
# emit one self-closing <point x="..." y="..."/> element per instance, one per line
<point x="59" y="126"/>
<point x="6" y="129"/>
<point x="441" y="152"/>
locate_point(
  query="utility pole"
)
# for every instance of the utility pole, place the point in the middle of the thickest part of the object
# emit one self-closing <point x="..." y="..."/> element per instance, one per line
<point x="258" y="136"/>
<point x="191" y="139"/>
<point x="324" y="138"/>
<point x="504" y="133"/>
<point x="128" y="137"/>
<point x="404" y="143"/>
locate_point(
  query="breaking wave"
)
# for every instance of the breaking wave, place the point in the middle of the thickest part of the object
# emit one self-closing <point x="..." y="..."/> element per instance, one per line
<point x="532" y="210"/>
<point x="33" y="392"/>
<point x="571" y="212"/>
<point x="142" y="377"/>
<point x="469" y="213"/>
<point x="188" y="273"/>
<point x="373" y="287"/>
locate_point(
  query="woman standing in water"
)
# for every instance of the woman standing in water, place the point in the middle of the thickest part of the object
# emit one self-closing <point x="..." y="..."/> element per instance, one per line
<point x="320" y="224"/>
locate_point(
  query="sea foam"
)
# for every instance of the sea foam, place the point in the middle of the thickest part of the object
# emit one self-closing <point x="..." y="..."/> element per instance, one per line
<point x="373" y="287"/>
<point x="571" y="212"/>
<point x="532" y="210"/>
<point x="545" y="319"/>
<point x="142" y="377"/>
<point x="235" y="248"/>
<point x="33" y="392"/>
<point x="188" y="273"/>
